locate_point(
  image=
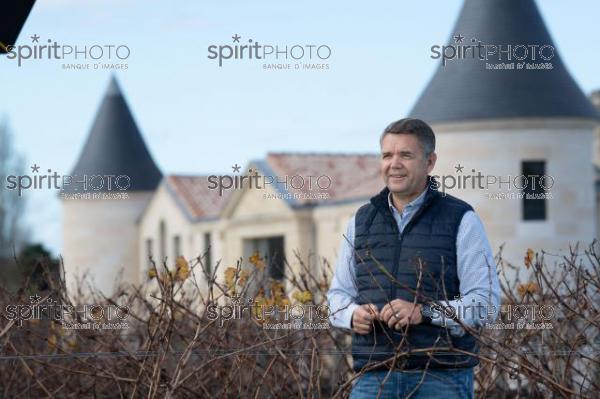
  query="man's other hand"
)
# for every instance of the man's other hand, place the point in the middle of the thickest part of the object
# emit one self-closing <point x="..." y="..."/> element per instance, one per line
<point x="399" y="313"/>
<point x="363" y="317"/>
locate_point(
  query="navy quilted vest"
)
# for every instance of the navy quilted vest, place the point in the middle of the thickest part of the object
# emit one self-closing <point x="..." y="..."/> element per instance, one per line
<point x="426" y="248"/>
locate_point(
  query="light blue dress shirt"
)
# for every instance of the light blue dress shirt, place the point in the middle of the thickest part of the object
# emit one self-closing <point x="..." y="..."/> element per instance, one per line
<point x="479" y="287"/>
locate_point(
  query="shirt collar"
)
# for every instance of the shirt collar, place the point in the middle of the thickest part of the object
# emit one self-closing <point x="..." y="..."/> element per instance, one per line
<point x="416" y="203"/>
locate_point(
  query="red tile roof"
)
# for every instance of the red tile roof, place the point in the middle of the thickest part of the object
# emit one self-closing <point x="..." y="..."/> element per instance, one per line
<point x="193" y="194"/>
<point x="353" y="176"/>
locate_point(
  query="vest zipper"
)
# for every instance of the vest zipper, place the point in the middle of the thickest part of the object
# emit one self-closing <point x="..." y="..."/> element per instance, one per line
<point x="398" y="249"/>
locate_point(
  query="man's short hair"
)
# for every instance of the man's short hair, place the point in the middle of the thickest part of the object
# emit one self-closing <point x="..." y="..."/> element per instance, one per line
<point x="416" y="127"/>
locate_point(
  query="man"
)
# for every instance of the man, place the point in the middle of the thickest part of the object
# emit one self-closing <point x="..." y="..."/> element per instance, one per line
<point x="413" y="259"/>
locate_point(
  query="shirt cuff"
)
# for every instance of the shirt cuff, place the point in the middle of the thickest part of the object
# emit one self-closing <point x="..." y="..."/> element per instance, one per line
<point x="343" y="317"/>
<point x="438" y="319"/>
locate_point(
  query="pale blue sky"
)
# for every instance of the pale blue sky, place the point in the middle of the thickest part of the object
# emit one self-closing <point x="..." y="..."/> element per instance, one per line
<point x="198" y="118"/>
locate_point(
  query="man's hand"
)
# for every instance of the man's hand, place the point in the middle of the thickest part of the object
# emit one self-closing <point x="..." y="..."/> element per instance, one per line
<point x="363" y="317"/>
<point x="399" y="313"/>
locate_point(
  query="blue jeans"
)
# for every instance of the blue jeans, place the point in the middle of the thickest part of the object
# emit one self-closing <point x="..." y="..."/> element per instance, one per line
<point x="415" y="384"/>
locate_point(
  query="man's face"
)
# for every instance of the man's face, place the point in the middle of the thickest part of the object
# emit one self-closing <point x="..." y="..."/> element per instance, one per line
<point x="404" y="167"/>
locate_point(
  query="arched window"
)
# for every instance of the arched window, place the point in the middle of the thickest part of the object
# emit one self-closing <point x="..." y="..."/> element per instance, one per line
<point x="162" y="234"/>
<point x="176" y="246"/>
<point x="149" y="249"/>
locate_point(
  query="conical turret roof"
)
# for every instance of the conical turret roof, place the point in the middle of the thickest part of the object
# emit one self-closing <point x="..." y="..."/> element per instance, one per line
<point x="465" y="90"/>
<point x="115" y="147"/>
